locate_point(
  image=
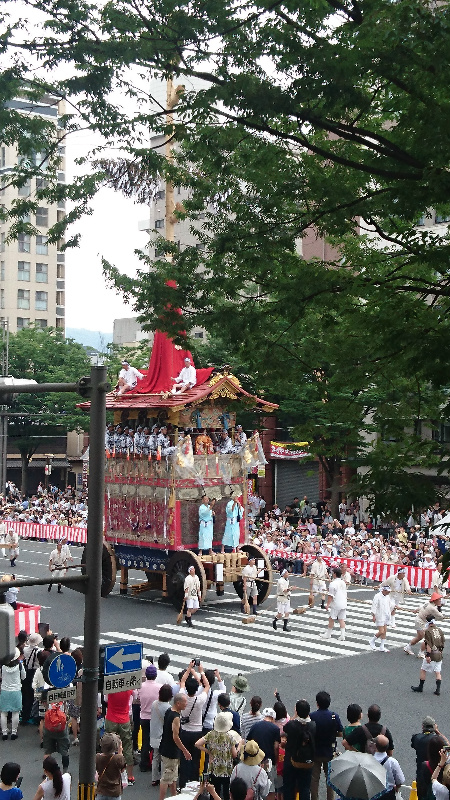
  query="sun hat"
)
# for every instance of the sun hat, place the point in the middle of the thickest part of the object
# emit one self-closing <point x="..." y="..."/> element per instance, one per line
<point x="151" y="672"/>
<point x="252" y="753"/>
<point x="240" y="683"/>
<point x="435" y="596"/>
<point x="268" y="712"/>
<point x="35" y="639"/>
<point x="223" y="722"/>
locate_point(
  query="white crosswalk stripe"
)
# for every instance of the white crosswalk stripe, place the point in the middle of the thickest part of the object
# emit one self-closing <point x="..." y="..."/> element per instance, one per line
<point x="221" y="640"/>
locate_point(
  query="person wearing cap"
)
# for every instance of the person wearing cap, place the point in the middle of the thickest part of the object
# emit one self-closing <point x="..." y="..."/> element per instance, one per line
<point x="399" y="587"/>
<point x="147" y="694"/>
<point x="250" y="590"/>
<point x="251" y="771"/>
<point x="192" y="594"/>
<point x="419" y="743"/>
<point x="234" y="513"/>
<point x="381" y="615"/>
<point x="12" y="675"/>
<point x="30" y="663"/>
<point x="186" y="379"/>
<point x="128" y="378"/>
<point x="283" y="600"/>
<point x="336" y="604"/>
<point x="221" y="749"/>
<point x="430" y="608"/>
<point x="432" y="655"/>
<point x="239" y="685"/>
<point x="267" y="735"/>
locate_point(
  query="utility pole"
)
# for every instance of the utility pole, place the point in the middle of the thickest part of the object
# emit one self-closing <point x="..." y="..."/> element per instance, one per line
<point x="94" y="547"/>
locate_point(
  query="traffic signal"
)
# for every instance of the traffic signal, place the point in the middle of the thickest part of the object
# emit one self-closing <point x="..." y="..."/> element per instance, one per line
<point x="7" y="632"/>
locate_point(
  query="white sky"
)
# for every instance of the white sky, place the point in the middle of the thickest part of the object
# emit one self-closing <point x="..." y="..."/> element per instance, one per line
<point x="112" y="232"/>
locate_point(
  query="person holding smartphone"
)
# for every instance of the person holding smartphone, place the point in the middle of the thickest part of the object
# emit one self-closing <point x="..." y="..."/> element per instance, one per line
<point x="10" y="782"/>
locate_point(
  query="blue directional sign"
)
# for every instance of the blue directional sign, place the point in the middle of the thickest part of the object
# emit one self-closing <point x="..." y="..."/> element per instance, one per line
<point x="123" y="657"/>
<point x="61" y="671"/>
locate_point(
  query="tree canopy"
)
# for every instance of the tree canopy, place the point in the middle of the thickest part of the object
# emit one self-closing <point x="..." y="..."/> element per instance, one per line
<point x="332" y="116"/>
<point x="44" y="355"/>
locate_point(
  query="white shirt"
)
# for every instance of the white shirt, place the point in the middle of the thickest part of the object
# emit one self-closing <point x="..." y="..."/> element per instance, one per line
<point x="208" y="719"/>
<point x="191" y="586"/>
<point x="319" y="570"/>
<point x="49" y="792"/>
<point x="163" y="676"/>
<point x="394" y="774"/>
<point x="283" y="592"/>
<point x="338" y="591"/>
<point x="131" y="375"/>
<point x="187" y="375"/>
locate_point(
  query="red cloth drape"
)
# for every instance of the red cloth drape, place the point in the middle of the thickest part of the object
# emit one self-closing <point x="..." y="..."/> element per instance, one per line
<point x="166" y="361"/>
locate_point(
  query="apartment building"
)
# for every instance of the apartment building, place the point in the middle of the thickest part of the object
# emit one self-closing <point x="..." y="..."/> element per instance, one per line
<point x="32" y="271"/>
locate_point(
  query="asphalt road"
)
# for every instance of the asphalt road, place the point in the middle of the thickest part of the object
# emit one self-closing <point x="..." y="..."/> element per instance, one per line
<point x="363" y="677"/>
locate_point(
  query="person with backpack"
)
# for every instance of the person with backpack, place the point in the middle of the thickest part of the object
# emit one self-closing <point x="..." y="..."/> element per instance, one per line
<point x="394" y="773"/>
<point x="251" y="771"/>
<point x="56" y="733"/>
<point x="300" y="751"/>
<point x="30" y="663"/>
<point x="432" y="657"/>
<point x="362" y="737"/>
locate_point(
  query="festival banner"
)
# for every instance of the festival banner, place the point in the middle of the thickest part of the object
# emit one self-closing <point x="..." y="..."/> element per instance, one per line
<point x="418" y="577"/>
<point x="33" y="530"/>
<point x="289" y="450"/>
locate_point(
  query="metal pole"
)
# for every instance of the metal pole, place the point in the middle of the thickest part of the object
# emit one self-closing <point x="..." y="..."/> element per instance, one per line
<point x="86" y="782"/>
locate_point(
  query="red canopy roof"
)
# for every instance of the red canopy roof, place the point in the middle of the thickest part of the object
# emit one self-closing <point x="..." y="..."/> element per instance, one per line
<point x="166" y="362"/>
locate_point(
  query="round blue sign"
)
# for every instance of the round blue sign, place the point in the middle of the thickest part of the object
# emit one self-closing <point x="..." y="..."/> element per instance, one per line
<point x="61" y="670"/>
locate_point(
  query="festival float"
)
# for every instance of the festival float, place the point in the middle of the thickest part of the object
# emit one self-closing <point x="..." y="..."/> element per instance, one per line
<point x="151" y="504"/>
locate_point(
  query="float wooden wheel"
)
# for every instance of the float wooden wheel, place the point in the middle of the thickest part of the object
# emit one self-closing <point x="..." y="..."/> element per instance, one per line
<point x="176" y="571"/>
<point x="264" y="586"/>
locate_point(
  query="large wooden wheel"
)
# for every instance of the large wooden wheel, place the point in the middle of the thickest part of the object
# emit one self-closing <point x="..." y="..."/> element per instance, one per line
<point x="264" y="586"/>
<point x="109" y="568"/>
<point x="176" y="571"/>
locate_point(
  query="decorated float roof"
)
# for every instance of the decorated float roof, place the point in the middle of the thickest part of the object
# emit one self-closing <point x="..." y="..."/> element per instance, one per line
<point x="166" y="361"/>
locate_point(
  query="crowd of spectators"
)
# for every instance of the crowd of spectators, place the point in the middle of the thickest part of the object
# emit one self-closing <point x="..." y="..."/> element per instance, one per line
<point x="48" y="506"/>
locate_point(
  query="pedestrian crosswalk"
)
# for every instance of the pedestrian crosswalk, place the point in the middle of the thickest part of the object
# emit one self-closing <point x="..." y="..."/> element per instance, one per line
<point x="220" y="639"/>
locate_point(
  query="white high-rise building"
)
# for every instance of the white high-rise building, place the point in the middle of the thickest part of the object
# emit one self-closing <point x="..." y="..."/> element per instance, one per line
<point x="32" y="271"/>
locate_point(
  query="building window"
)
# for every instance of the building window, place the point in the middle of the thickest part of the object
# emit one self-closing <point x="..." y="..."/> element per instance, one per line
<point x="442" y="433"/>
<point x="200" y="247"/>
<point x="2" y="298"/>
<point x="42" y="273"/>
<point x="23" y="298"/>
<point x="61" y="258"/>
<point x="41" y="323"/>
<point x="160" y="195"/>
<point x="159" y="223"/>
<point x="60" y="299"/>
<point x="42" y="245"/>
<point x="60" y="271"/>
<point x="25" y="190"/>
<point x="198" y="335"/>
<point x="2" y="242"/>
<point x="439" y="218"/>
<point x="59" y="322"/>
<point x="60" y="216"/>
<point x="42" y="217"/>
<point x="2" y="270"/>
<point x="41" y="302"/>
<point x="22" y="322"/>
<point x="24" y="240"/>
<point x="41" y="184"/>
<point x="3" y="157"/>
<point x="23" y="271"/>
<point x="60" y="311"/>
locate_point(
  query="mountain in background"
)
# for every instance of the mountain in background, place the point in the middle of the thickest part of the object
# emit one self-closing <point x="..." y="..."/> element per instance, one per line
<point x="96" y="339"/>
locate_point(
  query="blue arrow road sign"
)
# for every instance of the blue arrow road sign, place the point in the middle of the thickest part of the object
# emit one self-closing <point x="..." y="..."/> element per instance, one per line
<point x="62" y="670"/>
<point x="123" y="657"/>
